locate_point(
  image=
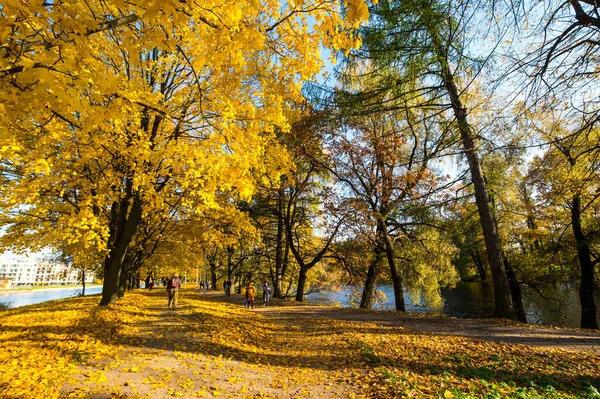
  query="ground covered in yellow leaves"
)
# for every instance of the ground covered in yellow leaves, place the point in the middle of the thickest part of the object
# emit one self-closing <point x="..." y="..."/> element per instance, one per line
<point x="210" y="348"/>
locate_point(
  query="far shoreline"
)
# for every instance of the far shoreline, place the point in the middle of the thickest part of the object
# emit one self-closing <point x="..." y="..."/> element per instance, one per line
<point x="30" y="290"/>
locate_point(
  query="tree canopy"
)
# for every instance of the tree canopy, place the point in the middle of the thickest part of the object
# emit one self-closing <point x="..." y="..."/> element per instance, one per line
<point x="457" y="140"/>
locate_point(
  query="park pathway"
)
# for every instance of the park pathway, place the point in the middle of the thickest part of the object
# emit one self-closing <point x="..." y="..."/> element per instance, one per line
<point x="484" y="329"/>
<point x="212" y="346"/>
<point x="210" y="349"/>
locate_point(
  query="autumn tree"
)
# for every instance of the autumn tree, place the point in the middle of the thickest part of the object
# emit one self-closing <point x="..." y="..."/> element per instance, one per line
<point x="424" y="44"/>
<point x="112" y="111"/>
<point x="314" y="211"/>
<point x="382" y="161"/>
<point x="568" y="179"/>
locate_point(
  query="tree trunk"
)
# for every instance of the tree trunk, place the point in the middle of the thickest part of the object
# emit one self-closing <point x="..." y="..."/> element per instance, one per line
<point x="124" y="224"/>
<point x="503" y="302"/>
<point x="301" y="283"/>
<point x="279" y="246"/>
<point x="132" y="280"/>
<point x="586" y="289"/>
<point x="515" y="290"/>
<point x="284" y="267"/>
<point x="213" y="274"/>
<point x="123" y="278"/>
<point x="398" y="289"/>
<point x="110" y="285"/>
<point x="289" y="287"/>
<point x="368" y="294"/>
<point x="238" y="290"/>
<point x="394" y="272"/>
<point x="230" y="266"/>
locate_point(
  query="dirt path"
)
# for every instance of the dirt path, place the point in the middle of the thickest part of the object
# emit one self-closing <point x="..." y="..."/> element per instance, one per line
<point x="209" y="348"/>
<point x="484" y="329"/>
<point x="201" y="350"/>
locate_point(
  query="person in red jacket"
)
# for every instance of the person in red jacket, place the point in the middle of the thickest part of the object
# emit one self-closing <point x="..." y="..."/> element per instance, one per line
<point x="173" y="285"/>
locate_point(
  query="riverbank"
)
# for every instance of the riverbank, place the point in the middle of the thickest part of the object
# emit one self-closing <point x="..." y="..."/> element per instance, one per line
<point x="210" y="347"/>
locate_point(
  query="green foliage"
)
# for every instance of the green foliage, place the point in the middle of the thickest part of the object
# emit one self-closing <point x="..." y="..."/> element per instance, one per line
<point x="426" y="264"/>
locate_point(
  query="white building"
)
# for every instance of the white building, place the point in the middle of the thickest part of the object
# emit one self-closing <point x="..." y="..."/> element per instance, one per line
<point x="24" y="271"/>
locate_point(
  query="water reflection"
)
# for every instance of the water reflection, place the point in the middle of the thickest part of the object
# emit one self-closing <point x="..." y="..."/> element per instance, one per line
<point x="22" y="298"/>
<point x="469" y="300"/>
<point x="558" y="306"/>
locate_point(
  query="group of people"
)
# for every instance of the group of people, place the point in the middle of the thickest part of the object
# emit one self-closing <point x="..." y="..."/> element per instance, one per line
<point x="150" y="281"/>
<point x="173" y="284"/>
<point x="251" y="293"/>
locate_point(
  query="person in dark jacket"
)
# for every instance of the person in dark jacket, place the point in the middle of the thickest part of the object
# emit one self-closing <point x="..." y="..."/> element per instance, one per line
<point x="267" y="293"/>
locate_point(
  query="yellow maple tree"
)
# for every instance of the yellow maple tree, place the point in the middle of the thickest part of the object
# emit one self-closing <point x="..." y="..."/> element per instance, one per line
<point x="113" y="110"/>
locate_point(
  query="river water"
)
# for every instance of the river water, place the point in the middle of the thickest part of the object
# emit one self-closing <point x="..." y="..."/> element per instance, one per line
<point x="22" y="298"/>
<point x="476" y="300"/>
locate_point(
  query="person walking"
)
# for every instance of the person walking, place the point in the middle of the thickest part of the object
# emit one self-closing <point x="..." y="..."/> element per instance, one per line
<point x="173" y="285"/>
<point x="267" y="292"/>
<point x="250" y="292"/>
<point x="227" y="287"/>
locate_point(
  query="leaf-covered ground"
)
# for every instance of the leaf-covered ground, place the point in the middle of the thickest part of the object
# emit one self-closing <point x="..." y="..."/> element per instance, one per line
<point x="209" y="348"/>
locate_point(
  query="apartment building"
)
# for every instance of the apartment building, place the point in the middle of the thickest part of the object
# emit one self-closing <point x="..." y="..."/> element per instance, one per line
<point x="22" y="271"/>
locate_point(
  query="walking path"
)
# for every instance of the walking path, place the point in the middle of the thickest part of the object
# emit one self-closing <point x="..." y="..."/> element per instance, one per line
<point x="485" y="329"/>
<point x="212" y="346"/>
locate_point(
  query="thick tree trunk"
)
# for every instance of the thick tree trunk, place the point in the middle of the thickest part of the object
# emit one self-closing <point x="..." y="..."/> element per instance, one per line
<point x="123" y="278"/>
<point x="110" y="285"/>
<point x="586" y="288"/>
<point x="368" y="294"/>
<point x="398" y="289"/>
<point x="301" y="283"/>
<point x="124" y="224"/>
<point x="503" y="302"/>
<point x="213" y="279"/>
